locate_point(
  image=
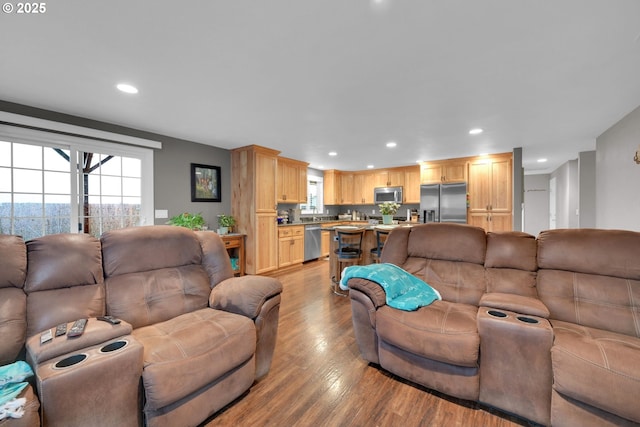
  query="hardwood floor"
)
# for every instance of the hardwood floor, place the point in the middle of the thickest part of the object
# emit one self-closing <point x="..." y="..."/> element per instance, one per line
<point x="319" y="379"/>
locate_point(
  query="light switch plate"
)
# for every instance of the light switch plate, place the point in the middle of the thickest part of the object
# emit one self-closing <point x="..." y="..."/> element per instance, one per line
<point x="162" y="213"/>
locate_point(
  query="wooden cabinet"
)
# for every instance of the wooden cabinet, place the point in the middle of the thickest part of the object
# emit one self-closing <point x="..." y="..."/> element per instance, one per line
<point x="492" y="221"/>
<point x="490" y="192"/>
<point x="290" y="245"/>
<point x="325" y="238"/>
<point x="331" y="190"/>
<point x="346" y="188"/>
<point x="444" y="171"/>
<point x="291" y="181"/>
<point x="389" y="178"/>
<point x="253" y="204"/>
<point x="363" y="185"/>
<point x="411" y="187"/>
<point x="234" y="244"/>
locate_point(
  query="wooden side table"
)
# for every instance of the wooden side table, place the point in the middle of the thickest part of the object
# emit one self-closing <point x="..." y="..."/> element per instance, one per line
<point x="234" y="243"/>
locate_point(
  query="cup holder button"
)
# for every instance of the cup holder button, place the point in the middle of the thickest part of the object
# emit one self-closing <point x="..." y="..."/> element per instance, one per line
<point x="67" y="362"/>
<point x="116" y="345"/>
<point x="496" y="313"/>
<point x="527" y="319"/>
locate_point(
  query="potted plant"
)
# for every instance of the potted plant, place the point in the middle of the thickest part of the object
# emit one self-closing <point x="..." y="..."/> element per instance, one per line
<point x="225" y="222"/>
<point x="388" y="210"/>
<point x="188" y="220"/>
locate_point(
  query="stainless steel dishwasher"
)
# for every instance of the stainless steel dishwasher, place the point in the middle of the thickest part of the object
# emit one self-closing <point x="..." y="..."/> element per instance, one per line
<point x="312" y="241"/>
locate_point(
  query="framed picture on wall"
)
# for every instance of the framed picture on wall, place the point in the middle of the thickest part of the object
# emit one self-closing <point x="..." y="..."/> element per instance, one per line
<point x="205" y="183"/>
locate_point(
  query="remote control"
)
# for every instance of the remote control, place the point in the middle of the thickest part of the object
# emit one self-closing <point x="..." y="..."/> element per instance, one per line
<point x="77" y="328"/>
<point x="46" y="336"/>
<point x="61" y="329"/>
<point x="109" y="319"/>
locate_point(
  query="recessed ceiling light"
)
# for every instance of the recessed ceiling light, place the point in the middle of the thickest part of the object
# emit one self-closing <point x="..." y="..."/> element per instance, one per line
<point x="127" y="88"/>
<point x="542" y="160"/>
<point x="391" y="144"/>
<point x="369" y="166"/>
<point x="333" y="153"/>
<point x="475" y="131"/>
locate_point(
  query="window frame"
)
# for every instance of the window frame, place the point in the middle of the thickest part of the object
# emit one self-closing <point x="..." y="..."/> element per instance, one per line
<point x="77" y="143"/>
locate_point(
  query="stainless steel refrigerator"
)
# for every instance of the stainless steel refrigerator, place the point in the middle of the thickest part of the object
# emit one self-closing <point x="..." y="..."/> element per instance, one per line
<point x="444" y="202"/>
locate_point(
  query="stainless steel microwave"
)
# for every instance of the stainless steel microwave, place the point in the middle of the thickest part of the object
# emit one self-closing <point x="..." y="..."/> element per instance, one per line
<point x="387" y="194"/>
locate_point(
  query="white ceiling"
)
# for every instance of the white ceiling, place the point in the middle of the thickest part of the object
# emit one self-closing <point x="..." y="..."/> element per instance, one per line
<point x="311" y="76"/>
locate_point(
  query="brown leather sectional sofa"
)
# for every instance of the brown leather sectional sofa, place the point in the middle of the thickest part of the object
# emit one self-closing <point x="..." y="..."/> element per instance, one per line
<point x="547" y="328"/>
<point x="192" y="337"/>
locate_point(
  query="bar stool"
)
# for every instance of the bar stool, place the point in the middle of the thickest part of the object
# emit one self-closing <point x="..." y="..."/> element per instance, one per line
<point x="381" y="238"/>
<point x="349" y="252"/>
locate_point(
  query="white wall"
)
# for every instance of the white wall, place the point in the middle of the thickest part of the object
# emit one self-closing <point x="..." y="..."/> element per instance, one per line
<point x="618" y="176"/>
<point x="567" y="195"/>
<point x="536" y="203"/>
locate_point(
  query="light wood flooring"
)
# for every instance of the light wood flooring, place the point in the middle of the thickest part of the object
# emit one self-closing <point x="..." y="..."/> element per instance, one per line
<point x="319" y="379"/>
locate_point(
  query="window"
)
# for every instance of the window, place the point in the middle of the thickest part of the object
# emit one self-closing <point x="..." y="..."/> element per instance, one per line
<point x="53" y="183"/>
<point x="315" y="190"/>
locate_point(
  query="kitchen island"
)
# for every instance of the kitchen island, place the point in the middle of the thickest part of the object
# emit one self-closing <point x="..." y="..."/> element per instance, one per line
<point x="368" y="243"/>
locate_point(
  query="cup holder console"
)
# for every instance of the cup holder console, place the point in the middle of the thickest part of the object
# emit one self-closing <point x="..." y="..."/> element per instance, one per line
<point x="527" y="319"/>
<point x="116" y="345"/>
<point x="496" y="313"/>
<point x="67" y="362"/>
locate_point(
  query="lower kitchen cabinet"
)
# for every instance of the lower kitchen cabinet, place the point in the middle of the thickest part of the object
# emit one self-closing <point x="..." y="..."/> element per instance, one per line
<point x="290" y="245"/>
<point x="492" y="221"/>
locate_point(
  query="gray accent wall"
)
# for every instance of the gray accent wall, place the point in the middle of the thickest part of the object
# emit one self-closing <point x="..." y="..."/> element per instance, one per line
<point x="567" y="195"/>
<point x="172" y="164"/>
<point x="587" y="179"/>
<point x="618" y="176"/>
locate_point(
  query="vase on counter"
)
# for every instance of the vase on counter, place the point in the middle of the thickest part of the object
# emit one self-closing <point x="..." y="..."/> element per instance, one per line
<point x="387" y="219"/>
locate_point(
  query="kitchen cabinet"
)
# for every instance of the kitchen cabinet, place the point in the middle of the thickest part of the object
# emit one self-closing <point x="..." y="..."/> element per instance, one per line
<point x="346" y="188"/>
<point x="491" y="221"/>
<point x="363" y="185"/>
<point x="331" y="187"/>
<point x="443" y="171"/>
<point x="253" y="204"/>
<point x="325" y="236"/>
<point x="291" y="181"/>
<point x="290" y="245"/>
<point x="490" y="192"/>
<point x="389" y="178"/>
<point x="411" y="187"/>
<point x="234" y="244"/>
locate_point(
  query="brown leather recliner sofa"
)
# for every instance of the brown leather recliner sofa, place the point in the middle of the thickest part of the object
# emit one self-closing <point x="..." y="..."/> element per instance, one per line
<point x="547" y="328"/>
<point x="192" y="337"/>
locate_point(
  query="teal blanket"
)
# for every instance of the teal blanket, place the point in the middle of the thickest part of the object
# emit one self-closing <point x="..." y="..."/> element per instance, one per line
<point x="404" y="290"/>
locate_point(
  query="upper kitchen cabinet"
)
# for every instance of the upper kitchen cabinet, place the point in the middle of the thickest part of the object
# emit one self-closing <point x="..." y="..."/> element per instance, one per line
<point x="253" y="204"/>
<point x="331" y="190"/>
<point x="389" y="177"/>
<point x="291" y="181"/>
<point x="363" y="185"/>
<point x="443" y="171"/>
<point x="411" y="187"/>
<point x="346" y="189"/>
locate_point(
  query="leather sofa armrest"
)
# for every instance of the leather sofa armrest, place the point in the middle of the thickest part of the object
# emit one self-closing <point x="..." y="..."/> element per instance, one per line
<point x="95" y="332"/>
<point x="244" y="295"/>
<point x="374" y="291"/>
<point x="516" y="303"/>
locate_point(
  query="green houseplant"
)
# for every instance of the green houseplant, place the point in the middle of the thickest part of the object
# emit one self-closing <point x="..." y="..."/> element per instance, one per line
<point x="188" y="220"/>
<point x="225" y="222"/>
<point x="388" y="209"/>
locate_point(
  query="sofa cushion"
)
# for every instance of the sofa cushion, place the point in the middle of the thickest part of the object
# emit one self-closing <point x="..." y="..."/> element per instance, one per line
<point x="456" y="281"/>
<point x="13" y="323"/>
<point x="601" y="302"/>
<point x="186" y="353"/>
<point x="597" y="367"/>
<point x="13" y="261"/>
<point x="443" y="331"/>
